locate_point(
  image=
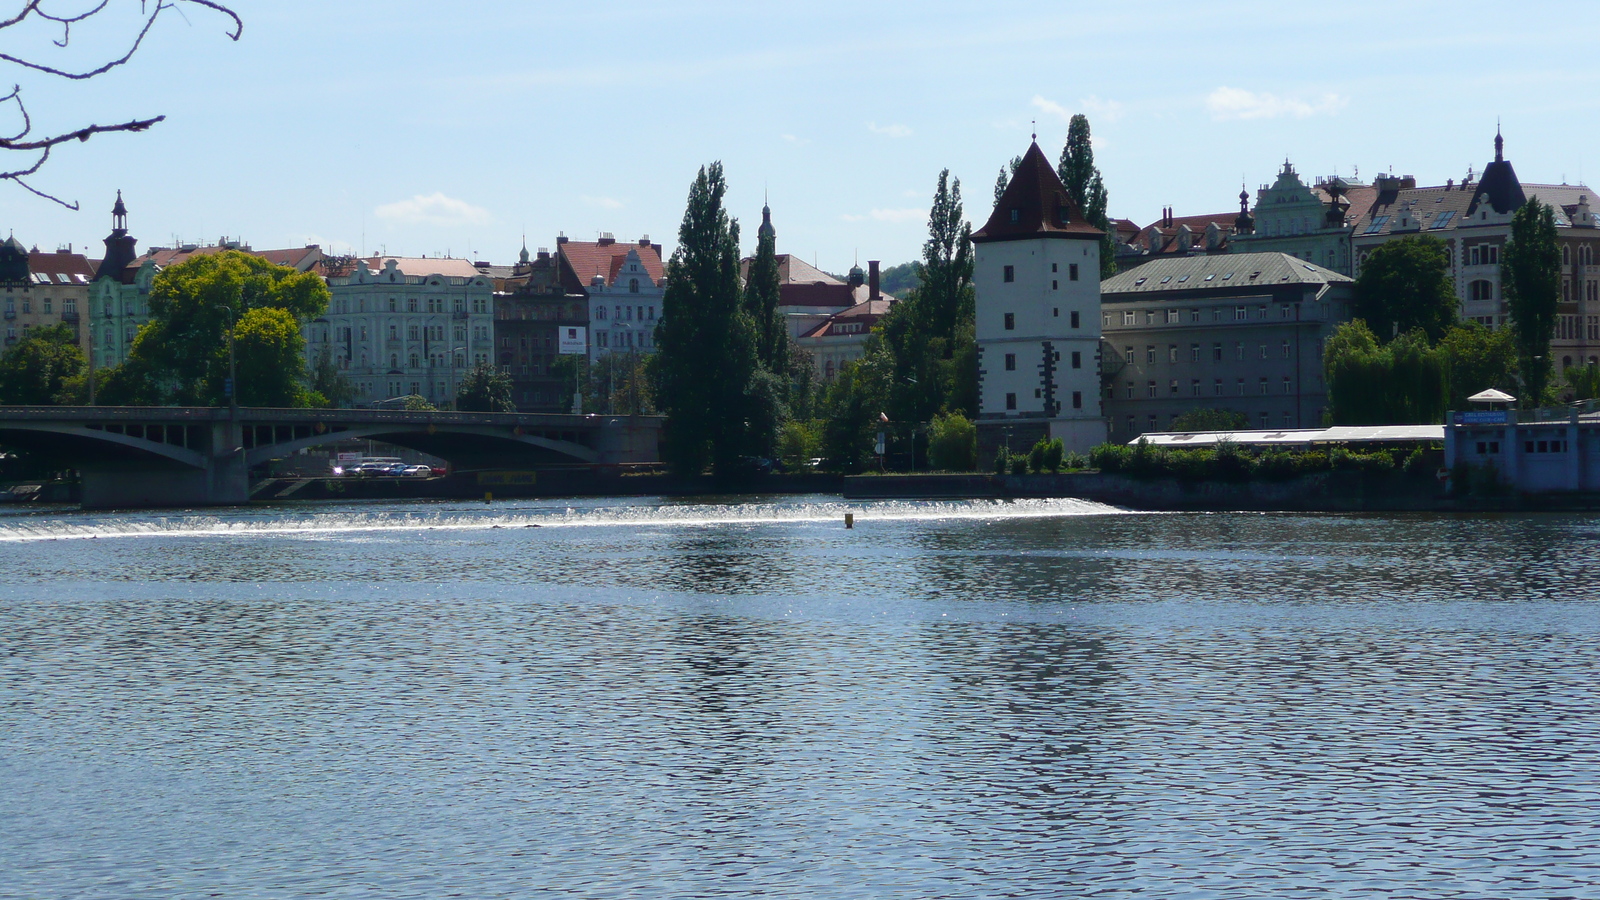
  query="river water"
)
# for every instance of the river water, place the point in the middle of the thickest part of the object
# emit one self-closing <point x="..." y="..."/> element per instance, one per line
<point x="691" y="699"/>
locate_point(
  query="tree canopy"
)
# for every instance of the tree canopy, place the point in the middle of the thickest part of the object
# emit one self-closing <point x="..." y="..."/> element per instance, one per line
<point x="180" y="357"/>
<point x="42" y="369"/>
<point x="1530" y="275"/>
<point x="1087" y="189"/>
<point x="485" y="388"/>
<point x="706" y="356"/>
<point x="1405" y="284"/>
<point x="1405" y="382"/>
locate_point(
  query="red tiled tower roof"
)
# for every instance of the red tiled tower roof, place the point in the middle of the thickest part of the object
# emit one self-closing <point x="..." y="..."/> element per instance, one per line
<point x="1036" y="205"/>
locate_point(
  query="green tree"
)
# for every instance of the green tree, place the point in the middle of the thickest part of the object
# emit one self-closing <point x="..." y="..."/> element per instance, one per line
<point x="898" y="280"/>
<point x="42" y="369"/>
<point x="485" y="388"/>
<point x="1479" y="358"/>
<point x="328" y="382"/>
<point x="180" y="356"/>
<point x="1211" y="420"/>
<point x="924" y="348"/>
<point x="418" y="403"/>
<point x="799" y="442"/>
<point x="1007" y="172"/>
<point x="1584" y="382"/>
<point x="1404" y="382"/>
<point x="707" y="344"/>
<point x="853" y="403"/>
<point x="953" y="443"/>
<point x="270" y="355"/>
<point x="1530" y="272"/>
<point x="761" y="305"/>
<point x="1087" y="189"/>
<point x="1405" y="284"/>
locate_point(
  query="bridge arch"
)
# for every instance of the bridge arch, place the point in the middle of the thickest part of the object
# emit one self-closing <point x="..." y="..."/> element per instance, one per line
<point x="420" y="440"/>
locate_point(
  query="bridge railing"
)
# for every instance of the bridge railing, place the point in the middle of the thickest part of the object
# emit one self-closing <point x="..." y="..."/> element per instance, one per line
<point x="266" y="415"/>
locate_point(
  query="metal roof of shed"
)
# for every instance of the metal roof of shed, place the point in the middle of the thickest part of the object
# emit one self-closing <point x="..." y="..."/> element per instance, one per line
<point x="1339" y="434"/>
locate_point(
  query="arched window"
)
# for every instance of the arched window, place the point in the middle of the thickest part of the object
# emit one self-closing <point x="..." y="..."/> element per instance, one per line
<point x="1585" y="254"/>
<point x="1565" y="256"/>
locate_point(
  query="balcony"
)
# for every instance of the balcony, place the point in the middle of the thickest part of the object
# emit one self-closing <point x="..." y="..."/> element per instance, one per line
<point x="69" y="315"/>
<point x="459" y="314"/>
<point x="11" y="314"/>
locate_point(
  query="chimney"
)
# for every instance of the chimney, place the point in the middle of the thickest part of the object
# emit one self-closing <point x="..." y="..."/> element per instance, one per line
<point x="872" y="279"/>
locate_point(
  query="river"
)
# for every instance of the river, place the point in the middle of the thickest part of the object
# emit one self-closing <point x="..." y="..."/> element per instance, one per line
<point x="664" y="699"/>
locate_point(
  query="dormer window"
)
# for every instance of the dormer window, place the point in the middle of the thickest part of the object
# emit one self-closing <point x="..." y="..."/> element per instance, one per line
<point x="1063" y="214"/>
<point x="1016" y="215"/>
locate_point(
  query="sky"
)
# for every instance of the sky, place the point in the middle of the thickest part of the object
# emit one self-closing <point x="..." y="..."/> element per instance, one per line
<point x="413" y="128"/>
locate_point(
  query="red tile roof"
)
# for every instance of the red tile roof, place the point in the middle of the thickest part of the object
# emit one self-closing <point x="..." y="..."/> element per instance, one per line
<point x="867" y="312"/>
<point x="1035" y="204"/>
<point x="582" y="260"/>
<point x="61" y="267"/>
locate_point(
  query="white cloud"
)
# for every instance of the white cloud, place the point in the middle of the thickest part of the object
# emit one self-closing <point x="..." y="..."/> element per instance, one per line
<point x="1052" y="108"/>
<point x="602" y="202"/>
<point x="894" y="131"/>
<point x="1107" y="110"/>
<point x="888" y="215"/>
<point x="1226" y="103"/>
<point x="434" y="209"/>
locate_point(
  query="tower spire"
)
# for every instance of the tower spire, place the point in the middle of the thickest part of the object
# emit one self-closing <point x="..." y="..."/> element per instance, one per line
<point x="1499" y="142"/>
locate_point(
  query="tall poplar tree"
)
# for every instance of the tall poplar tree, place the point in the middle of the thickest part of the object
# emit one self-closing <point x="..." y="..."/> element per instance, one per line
<point x="1530" y="275"/>
<point x="706" y="342"/>
<point x="761" y="300"/>
<point x="1088" y="190"/>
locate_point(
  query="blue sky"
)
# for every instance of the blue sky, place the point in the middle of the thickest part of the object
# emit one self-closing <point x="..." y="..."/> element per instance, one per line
<point x="433" y="127"/>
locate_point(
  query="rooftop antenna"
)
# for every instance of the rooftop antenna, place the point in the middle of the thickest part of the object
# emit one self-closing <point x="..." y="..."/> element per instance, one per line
<point x="1035" y="129"/>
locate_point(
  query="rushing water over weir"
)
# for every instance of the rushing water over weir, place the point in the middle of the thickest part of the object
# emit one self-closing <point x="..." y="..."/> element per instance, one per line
<point x="725" y="697"/>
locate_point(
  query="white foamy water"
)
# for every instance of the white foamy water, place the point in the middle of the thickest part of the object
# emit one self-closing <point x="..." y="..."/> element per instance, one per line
<point x="528" y="514"/>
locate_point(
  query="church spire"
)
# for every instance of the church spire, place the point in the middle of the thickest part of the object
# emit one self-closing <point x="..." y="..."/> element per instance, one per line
<point x="766" y="230"/>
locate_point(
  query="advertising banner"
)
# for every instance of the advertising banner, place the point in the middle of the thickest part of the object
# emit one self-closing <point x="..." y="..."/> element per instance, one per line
<point x="572" y="339"/>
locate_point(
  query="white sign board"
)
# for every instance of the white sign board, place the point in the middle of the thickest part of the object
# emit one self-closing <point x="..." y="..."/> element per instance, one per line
<point x="572" y="339"/>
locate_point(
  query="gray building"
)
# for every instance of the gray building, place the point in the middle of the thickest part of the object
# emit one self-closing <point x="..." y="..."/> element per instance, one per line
<point x="1239" y="331"/>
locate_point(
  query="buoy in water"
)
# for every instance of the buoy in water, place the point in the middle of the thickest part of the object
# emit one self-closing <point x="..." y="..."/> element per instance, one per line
<point x="849" y="520"/>
<point x="488" y="496"/>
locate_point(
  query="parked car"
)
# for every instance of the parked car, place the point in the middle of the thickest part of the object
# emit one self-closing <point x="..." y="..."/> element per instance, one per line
<point x="417" y="471"/>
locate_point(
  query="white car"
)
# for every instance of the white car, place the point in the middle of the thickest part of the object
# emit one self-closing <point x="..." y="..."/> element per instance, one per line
<point x="418" y="471"/>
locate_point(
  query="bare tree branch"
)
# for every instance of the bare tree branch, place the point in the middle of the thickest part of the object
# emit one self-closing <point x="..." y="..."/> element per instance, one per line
<point x="34" y="9"/>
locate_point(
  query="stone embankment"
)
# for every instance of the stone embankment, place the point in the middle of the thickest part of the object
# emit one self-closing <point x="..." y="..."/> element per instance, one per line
<point x="1316" y="492"/>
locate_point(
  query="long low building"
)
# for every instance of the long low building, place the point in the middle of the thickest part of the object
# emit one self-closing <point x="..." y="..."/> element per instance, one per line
<point x="1299" y="437"/>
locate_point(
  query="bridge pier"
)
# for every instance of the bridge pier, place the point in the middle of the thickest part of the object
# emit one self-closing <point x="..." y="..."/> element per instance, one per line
<point x="224" y="481"/>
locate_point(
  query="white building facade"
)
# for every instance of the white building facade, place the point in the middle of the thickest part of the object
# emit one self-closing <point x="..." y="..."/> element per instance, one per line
<point x="400" y="326"/>
<point x="1036" y="273"/>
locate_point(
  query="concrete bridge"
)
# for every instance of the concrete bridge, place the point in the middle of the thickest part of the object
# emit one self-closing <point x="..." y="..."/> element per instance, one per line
<point x="201" y="456"/>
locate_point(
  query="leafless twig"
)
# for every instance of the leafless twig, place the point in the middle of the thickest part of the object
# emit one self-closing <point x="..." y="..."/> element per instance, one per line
<point x="20" y="141"/>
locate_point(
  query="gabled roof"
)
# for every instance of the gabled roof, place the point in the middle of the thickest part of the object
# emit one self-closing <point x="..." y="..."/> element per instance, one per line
<point x="61" y="267"/>
<point x="1217" y="272"/>
<point x="866" y="312"/>
<point x="582" y="260"/>
<point x="1035" y="205"/>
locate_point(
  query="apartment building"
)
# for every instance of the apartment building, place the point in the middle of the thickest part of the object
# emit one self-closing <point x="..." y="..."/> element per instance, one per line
<point x="1238" y="331"/>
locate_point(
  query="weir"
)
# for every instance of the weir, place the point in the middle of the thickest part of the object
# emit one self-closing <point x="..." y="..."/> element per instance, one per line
<point x="202" y="456"/>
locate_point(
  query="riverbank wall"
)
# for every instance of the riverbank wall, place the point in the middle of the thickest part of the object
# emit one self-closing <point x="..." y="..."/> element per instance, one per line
<point x="1316" y="492"/>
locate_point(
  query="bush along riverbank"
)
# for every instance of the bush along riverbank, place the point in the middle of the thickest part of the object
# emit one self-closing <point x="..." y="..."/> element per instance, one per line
<point x="1228" y="477"/>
